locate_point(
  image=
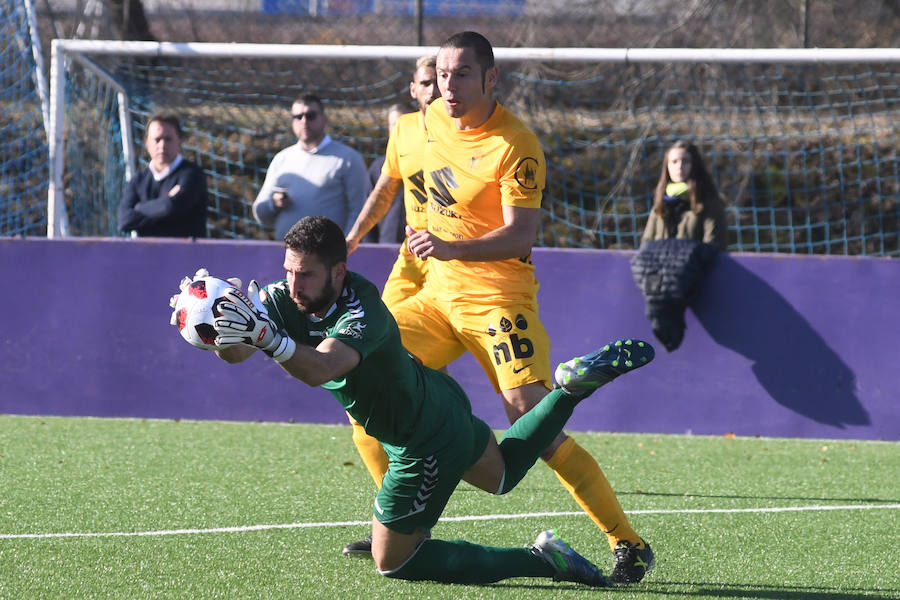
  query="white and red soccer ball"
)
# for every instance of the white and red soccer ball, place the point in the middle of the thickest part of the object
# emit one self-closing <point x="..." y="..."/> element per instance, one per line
<point x="197" y="307"/>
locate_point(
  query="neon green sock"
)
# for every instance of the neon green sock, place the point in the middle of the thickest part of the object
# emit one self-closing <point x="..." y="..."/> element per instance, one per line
<point x="458" y="561"/>
<point x="532" y="433"/>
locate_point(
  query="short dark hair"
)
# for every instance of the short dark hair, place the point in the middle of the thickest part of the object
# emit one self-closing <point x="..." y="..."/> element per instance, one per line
<point x="319" y="236"/>
<point x="484" y="52"/>
<point x="310" y="99"/>
<point x="166" y="119"/>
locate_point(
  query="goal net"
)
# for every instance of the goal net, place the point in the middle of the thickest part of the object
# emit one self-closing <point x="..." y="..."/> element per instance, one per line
<point x="23" y="140"/>
<point x="802" y="143"/>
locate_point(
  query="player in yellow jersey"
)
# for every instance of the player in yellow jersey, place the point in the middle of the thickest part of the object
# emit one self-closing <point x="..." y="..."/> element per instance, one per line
<point x="402" y="167"/>
<point x="485" y="172"/>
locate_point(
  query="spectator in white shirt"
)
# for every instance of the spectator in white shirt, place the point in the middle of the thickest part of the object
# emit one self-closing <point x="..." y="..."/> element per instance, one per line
<point x="315" y="176"/>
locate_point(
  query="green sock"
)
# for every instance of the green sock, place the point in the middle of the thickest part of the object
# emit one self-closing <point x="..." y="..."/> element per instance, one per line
<point x="532" y="433"/>
<point x="458" y="561"/>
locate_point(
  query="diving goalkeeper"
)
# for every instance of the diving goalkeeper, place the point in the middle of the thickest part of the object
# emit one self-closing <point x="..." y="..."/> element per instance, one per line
<point x="327" y="326"/>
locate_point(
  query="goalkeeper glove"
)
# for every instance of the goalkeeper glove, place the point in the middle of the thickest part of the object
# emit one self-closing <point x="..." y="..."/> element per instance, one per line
<point x="246" y="321"/>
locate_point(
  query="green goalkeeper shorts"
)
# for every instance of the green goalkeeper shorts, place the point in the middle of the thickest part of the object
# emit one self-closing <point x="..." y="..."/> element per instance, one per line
<point x="416" y="489"/>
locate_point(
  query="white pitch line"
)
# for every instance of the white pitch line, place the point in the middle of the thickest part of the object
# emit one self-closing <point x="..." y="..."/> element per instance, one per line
<point x="244" y="528"/>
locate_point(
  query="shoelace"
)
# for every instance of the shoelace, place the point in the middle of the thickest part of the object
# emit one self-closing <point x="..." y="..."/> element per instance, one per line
<point x="623" y="550"/>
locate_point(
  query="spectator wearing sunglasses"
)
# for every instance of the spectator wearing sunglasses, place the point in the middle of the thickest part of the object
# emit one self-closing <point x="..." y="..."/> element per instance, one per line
<point x="316" y="176"/>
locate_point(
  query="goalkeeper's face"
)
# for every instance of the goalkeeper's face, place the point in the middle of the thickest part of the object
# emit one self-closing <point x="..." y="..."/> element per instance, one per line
<point x="314" y="287"/>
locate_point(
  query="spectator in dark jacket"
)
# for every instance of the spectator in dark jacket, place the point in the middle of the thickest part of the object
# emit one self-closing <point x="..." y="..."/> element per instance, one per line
<point x="392" y="228"/>
<point x="169" y="198"/>
<point x="686" y="204"/>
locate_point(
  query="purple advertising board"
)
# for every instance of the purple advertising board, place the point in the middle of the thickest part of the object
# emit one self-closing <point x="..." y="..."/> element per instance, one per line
<point x="775" y="345"/>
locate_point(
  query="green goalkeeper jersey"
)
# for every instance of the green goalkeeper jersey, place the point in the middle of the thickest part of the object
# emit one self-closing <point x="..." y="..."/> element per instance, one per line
<point x="398" y="401"/>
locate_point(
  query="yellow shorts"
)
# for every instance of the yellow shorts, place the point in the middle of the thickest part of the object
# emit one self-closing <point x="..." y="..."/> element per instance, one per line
<point x="507" y="339"/>
<point x="406" y="279"/>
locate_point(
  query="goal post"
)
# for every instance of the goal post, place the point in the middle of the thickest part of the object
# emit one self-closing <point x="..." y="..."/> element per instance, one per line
<point x="57" y="215"/>
<point x="802" y="143"/>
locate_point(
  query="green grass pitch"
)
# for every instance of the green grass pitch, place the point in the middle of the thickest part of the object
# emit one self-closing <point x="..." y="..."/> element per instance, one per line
<point x="121" y="508"/>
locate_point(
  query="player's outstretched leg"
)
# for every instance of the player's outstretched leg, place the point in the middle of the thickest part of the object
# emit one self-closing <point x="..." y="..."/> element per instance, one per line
<point x="584" y="374"/>
<point x="567" y="564"/>
<point x="458" y="561"/>
<point x="534" y="431"/>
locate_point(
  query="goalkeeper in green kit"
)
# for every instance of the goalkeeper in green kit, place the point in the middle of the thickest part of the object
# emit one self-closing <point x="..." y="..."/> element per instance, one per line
<point x="328" y="327"/>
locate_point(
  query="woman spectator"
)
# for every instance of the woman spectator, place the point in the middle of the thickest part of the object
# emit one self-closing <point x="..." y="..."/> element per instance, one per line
<point x="686" y="204"/>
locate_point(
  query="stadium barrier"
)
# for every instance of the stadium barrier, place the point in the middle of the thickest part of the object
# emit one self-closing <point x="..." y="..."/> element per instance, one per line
<point x="786" y="346"/>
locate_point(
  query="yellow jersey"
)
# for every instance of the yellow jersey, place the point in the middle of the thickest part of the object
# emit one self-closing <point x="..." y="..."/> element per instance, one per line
<point x="403" y="160"/>
<point x="470" y="175"/>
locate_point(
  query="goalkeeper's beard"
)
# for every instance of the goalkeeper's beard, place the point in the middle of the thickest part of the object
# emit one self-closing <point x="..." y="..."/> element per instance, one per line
<point x="308" y="305"/>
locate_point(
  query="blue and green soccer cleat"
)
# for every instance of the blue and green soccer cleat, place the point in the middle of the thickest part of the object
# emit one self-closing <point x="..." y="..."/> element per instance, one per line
<point x="584" y="374"/>
<point x="567" y="564"/>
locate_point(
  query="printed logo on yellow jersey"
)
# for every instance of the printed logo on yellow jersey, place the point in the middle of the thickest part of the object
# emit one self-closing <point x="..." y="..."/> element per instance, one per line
<point x="416" y="189"/>
<point x="444" y="181"/>
<point x="526" y="173"/>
